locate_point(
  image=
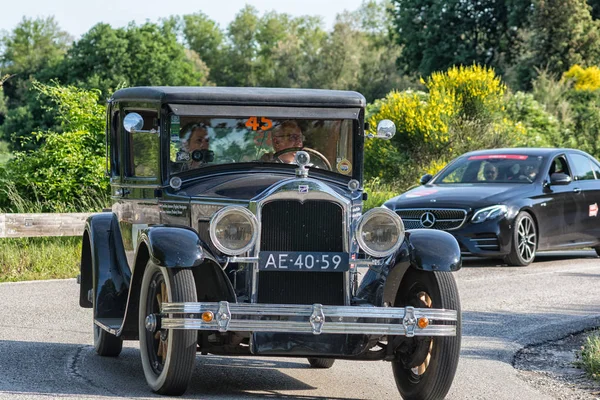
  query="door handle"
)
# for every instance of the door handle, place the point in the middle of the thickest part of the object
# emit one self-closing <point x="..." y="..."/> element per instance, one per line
<point x="577" y="190"/>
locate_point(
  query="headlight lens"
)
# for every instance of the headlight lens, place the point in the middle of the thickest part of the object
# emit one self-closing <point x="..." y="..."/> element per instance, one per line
<point x="233" y="230"/>
<point x="380" y="232"/>
<point x="489" y="213"/>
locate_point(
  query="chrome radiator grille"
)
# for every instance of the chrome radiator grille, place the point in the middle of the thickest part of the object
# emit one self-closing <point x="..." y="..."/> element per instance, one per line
<point x="288" y="225"/>
<point x="445" y="219"/>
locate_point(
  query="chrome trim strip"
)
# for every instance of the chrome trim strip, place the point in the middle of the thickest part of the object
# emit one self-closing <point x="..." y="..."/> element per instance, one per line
<point x="318" y="319"/>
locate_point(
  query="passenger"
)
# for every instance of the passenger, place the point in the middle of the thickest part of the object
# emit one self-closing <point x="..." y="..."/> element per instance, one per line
<point x="288" y="135"/>
<point x="196" y="140"/>
<point x="490" y="172"/>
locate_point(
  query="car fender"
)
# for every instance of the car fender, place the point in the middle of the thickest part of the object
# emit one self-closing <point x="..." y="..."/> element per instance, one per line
<point x="423" y="249"/>
<point x="175" y="247"/>
<point x="104" y="268"/>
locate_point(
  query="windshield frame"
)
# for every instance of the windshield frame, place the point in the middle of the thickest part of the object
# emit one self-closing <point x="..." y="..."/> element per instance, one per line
<point x="353" y="114"/>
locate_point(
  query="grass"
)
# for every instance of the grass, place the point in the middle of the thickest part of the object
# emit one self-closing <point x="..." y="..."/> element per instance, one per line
<point x="379" y="193"/>
<point x="26" y="259"/>
<point x="589" y="356"/>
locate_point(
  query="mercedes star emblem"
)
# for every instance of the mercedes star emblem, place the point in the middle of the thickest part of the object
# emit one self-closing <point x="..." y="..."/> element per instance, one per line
<point x="427" y="219"/>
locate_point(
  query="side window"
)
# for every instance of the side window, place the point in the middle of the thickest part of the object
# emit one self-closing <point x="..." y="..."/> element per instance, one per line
<point x="143" y="147"/>
<point x="559" y="165"/>
<point x="115" y="144"/>
<point x="582" y="167"/>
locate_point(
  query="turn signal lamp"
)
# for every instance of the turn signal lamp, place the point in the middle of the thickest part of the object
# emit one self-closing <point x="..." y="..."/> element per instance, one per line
<point x="423" y="322"/>
<point x="208" y="316"/>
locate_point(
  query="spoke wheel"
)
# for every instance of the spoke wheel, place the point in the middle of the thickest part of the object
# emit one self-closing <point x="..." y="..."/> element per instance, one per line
<point x="425" y="366"/>
<point x="168" y="356"/>
<point x="524" y="241"/>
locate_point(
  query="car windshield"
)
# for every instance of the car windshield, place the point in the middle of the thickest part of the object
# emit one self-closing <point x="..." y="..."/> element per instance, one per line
<point x="197" y="142"/>
<point x="492" y="168"/>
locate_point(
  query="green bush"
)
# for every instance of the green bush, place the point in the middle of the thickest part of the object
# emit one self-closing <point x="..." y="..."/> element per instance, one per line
<point x="66" y="170"/>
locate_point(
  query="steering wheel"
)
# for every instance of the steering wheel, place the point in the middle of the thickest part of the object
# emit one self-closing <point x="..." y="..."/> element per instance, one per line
<point x="320" y="156"/>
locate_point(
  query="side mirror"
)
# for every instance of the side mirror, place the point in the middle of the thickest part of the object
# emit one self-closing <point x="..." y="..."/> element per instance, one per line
<point x="558" y="178"/>
<point x="425" y="178"/>
<point x="133" y="122"/>
<point x="386" y="129"/>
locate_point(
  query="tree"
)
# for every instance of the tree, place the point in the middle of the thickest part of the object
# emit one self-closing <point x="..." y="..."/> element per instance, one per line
<point x="106" y="59"/>
<point x="563" y="34"/>
<point x="437" y="34"/>
<point x="33" y="45"/>
<point x="204" y="36"/>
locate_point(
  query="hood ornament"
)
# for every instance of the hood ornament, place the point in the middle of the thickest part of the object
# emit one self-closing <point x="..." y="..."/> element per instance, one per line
<point x="302" y="159"/>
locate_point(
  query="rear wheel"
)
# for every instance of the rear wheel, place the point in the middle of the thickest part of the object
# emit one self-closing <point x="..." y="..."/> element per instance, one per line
<point x="107" y="344"/>
<point x="425" y="366"/>
<point x="168" y="356"/>
<point x="321" y="362"/>
<point x="524" y="241"/>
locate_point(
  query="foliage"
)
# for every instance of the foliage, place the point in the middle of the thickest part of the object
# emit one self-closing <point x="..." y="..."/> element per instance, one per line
<point x="378" y="193"/>
<point x="476" y="91"/>
<point x="563" y="34"/>
<point x="583" y="78"/>
<point x="588" y="357"/>
<point x="39" y="258"/>
<point x="33" y="45"/>
<point x="462" y="111"/>
<point x="439" y="34"/>
<point x="541" y="128"/>
<point x="67" y="167"/>
<point x="106" y="59"/>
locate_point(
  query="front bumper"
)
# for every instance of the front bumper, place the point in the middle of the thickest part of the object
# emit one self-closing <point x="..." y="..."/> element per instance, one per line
<point x="315" y="319"/>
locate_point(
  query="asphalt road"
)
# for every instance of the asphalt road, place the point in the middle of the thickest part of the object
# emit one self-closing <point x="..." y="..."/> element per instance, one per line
<point x="46" y="346"/>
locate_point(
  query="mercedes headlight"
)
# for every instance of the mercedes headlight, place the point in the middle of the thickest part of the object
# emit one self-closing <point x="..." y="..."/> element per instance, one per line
<point x="380" y="232"/>
<point x="489" y="213"/>
<point x="233" y="230"/>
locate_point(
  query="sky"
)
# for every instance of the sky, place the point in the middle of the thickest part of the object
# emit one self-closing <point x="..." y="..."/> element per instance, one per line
<point x="78" y="16"/>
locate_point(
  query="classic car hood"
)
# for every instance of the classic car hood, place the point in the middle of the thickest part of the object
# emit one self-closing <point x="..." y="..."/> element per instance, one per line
<point x="459" y="195"/>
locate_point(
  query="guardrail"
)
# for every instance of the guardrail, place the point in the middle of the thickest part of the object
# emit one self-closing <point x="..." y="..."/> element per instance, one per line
<point x="45" y="224"/>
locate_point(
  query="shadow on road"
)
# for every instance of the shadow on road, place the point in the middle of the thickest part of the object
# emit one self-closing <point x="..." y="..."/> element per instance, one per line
<point x="39" y="368"/>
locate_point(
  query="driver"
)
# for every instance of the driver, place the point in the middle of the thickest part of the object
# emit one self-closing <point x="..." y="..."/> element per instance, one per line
<point x="287" y="135"/>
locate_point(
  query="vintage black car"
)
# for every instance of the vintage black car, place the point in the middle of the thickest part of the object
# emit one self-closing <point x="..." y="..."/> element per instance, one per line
<point x="510" y="203"/>
<point x="237" y="229"/>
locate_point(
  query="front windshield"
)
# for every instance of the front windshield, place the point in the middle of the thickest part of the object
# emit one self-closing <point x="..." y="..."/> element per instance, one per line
<point x="197" y="142"/>
<point x="492" y="168"/>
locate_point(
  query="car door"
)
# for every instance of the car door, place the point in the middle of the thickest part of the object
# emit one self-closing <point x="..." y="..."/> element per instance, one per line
<point x="585" y="180"/>
<point x="560" y="211"/>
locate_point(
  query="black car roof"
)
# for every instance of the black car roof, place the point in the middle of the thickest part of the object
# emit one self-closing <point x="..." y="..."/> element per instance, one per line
<point x="242" y="96"/>
<point x="533" y="151"/>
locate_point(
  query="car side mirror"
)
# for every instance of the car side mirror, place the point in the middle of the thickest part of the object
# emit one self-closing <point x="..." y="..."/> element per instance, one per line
<point x="425" y="178"/>
<point x="558" y="178"/>
<point x="386" y="129"/>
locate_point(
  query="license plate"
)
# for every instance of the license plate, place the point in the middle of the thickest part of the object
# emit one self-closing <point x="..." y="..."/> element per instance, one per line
<point x="302" y="261"/>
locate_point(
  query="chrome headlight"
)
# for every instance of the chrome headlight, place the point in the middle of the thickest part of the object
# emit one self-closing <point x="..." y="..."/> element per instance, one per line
<point x="233" y="230"/>
<point x="380" y="232"/>
<point x="489" y="213"/>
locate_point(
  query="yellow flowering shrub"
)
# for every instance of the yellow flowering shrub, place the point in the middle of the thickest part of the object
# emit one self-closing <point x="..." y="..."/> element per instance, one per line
<point x="583" y="78"/>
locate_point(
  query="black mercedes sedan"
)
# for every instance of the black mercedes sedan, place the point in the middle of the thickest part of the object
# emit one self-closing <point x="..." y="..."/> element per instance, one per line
<point x="510" y="203"/>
